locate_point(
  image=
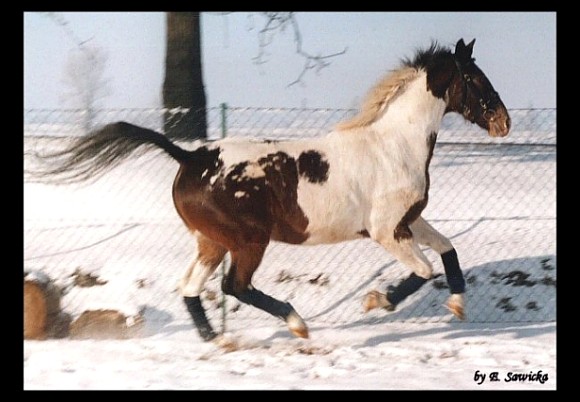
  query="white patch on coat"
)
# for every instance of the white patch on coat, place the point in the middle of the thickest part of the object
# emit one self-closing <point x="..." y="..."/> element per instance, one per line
<point x="213" y="179"/>
<point x="191" y="285"/>
<point x="253" y="171"/>
<point x="240" y="194"/>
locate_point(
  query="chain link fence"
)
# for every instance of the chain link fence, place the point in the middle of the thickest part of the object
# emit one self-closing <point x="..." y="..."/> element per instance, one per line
<point x="494" y="198"/>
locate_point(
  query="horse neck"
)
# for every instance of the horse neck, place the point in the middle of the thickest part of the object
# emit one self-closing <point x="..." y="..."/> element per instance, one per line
<point x="413" y="115"/>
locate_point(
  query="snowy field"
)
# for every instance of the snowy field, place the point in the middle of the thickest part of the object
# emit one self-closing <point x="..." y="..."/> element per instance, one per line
<point x="497" y="204"/>
<point x="387" y="356"/>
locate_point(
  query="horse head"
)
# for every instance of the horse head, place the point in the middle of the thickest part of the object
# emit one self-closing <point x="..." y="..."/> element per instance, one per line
<point x="472" y="95"/>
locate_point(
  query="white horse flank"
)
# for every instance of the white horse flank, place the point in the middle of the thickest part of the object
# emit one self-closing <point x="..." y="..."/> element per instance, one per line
<point x="367" y="178"/>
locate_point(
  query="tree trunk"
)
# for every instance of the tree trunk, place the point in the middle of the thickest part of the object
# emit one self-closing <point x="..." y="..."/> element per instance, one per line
<point x="183" y="85"/>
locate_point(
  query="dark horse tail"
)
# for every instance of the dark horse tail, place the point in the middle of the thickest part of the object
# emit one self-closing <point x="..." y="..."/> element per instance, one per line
<point x="91" y="156"/>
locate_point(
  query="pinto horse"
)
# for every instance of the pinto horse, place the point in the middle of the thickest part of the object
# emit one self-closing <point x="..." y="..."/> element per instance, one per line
<point x="237" y="195"/>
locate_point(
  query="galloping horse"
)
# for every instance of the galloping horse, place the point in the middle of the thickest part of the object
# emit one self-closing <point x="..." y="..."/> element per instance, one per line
<point x="237" y="195"/>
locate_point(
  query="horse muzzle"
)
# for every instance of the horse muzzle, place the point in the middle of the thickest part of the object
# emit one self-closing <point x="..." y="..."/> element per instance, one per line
<point x="498" y="122"/>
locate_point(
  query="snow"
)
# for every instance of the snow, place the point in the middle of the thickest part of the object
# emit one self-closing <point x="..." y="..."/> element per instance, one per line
<point x="385" y="356"/>
<point x="37" y="276"/>
<point x="123" y="229"/>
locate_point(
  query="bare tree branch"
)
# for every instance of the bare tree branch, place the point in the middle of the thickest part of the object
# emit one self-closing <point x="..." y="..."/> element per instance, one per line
<point x="277" y="22"/>
<point x="59" y="20"/>
<point x="63" y="23"/>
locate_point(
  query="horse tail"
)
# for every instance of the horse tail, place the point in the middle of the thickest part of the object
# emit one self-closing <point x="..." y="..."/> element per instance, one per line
<point x="91" y="156"/>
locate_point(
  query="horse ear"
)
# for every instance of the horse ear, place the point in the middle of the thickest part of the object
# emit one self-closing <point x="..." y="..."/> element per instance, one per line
<point x="469" y="47"/>
<point x="462" y="51"/>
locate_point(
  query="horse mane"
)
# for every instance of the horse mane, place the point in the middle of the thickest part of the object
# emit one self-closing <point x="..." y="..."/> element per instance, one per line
<point x="393" y="84"/>
<point x="379" y="97"/>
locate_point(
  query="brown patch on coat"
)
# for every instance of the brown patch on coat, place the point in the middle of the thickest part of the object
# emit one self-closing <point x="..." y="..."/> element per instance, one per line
<point x="439" y="76"/>
<point x="210" y="253"/>
<point x="289" y="221"/>
<point x="313" y="166"/>
<point x="236" y="209"/>
<point x="402" y="230"/>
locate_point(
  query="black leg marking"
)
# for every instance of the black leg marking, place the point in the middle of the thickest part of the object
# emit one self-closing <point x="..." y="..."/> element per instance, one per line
<point x="453" y="272"/>
<point x="405" y="288"/>
<point x="267" y="303"/>
<point x="197" y="313"/>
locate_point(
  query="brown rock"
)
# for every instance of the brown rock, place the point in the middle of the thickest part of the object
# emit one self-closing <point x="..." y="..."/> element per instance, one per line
<point x="104" y="324"/>
<point x="35" y="314"/>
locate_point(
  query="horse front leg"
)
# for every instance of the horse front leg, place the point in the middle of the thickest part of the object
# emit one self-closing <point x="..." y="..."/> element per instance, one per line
<point x="210" y="255"/>
<point x="423" y="233"/>
<point x="237" y="283"/>
<point x="407" y="252"/>
<point x="429" y="236"/>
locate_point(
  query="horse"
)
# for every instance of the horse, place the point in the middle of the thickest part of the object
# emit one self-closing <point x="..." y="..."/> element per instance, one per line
<point x="238" y="195"/>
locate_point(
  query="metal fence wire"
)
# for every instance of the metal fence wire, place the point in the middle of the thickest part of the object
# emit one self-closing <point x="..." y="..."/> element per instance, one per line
<point x="494" y="198"/>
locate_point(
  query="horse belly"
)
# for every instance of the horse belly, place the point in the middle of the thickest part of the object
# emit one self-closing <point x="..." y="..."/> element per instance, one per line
<point x="332" y="218"/>
<point x="331" y="235"/>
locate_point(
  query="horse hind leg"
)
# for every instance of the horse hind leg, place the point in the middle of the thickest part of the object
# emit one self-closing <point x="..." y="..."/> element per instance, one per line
<point x="237" y="283"/>
<point x="210" y="255"/>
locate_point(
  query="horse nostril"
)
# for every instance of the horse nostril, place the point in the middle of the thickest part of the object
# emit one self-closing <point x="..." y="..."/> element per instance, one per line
<point x="490" y="115"/>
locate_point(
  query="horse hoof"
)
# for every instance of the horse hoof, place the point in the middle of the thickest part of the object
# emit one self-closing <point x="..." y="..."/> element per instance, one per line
<point x="296" y="325"/>
<point x="456" y="305"/>
<point x="300" y="332"/>
<point x="223" y="342"/>
<point x="375" y="299"/>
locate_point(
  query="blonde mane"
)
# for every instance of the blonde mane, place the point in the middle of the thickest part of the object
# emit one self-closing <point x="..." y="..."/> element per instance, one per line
<point x="379" y="97"/>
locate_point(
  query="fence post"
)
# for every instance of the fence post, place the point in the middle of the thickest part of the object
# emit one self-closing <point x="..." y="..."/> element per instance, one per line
<point x="224" y="133"/>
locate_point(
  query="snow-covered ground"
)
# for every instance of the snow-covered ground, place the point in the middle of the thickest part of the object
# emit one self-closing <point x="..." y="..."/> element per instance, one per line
<point x="497" y="204"/>
<point x="384" y="356"/>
